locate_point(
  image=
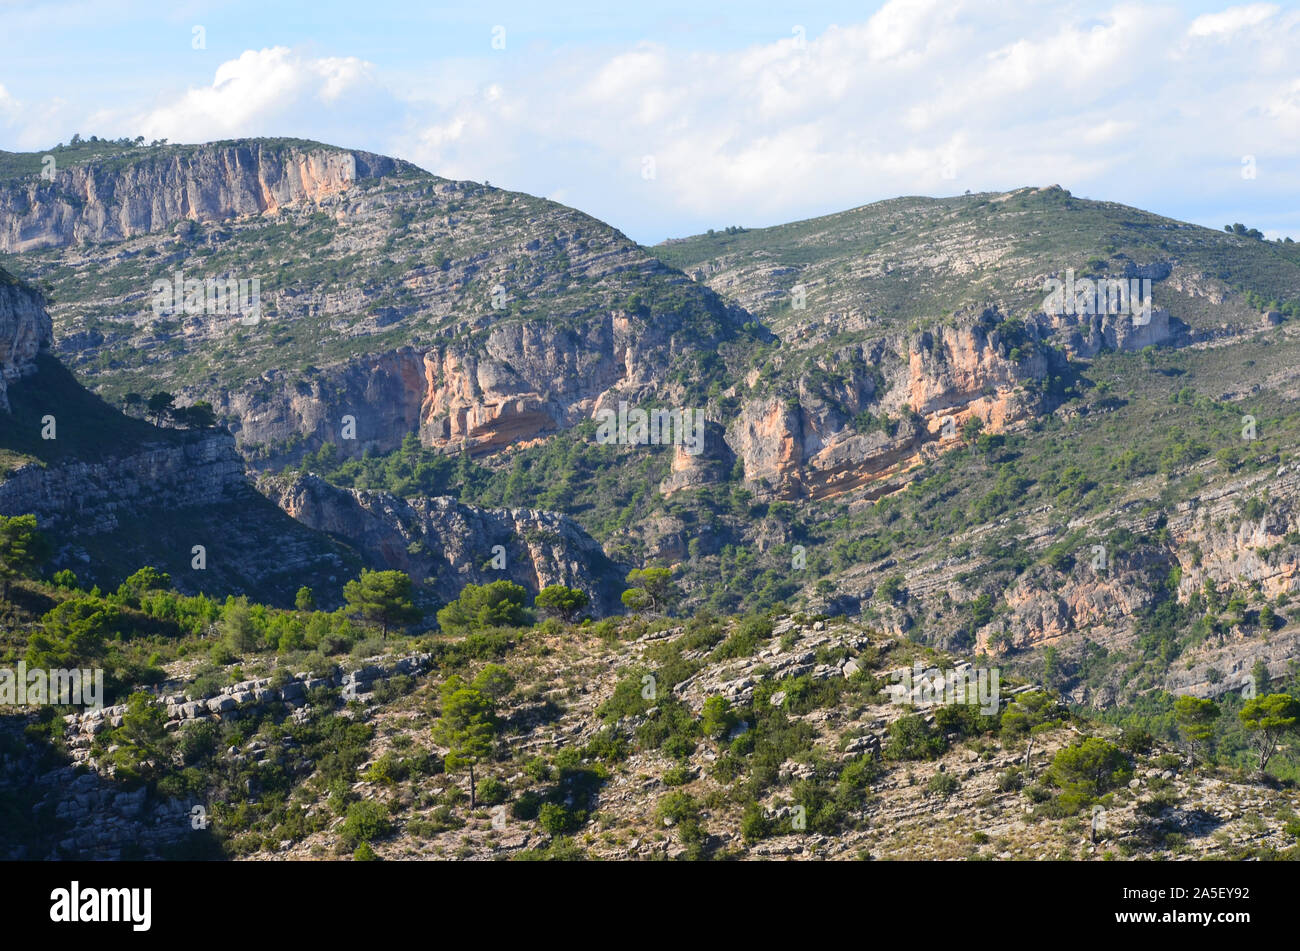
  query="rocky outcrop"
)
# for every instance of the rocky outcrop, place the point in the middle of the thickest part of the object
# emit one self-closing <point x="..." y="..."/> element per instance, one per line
<point x="1238" y="539"/>
<point x="183" y="505"/>
<point x="1242" y="534"/>
<point x="528" y="379"/>
<point x="96" y="817"/>
<point x="447" y="545"/>
<point x="710" y="466"/>
<point x="737" y="679"/>
<point x="1101" y="604"/>
<point x="931" y="384"/>
<point x="232" y="702"/>
<point x="115" y="493"/>
<point x="25" y="331"/>
<point x="94" y="497"/>
<point x="367" y="404"/>
<point x="91" y="818"/>
<point x="522" y="382"/>
<point x="109" y="201"/>
<point x="1086" y="335"/>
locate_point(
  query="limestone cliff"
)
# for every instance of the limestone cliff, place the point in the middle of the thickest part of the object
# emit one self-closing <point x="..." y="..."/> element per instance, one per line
<point x="25" y="331"/>
<point x="527" y="380"/>
<point x="929" y="384"/>
<point x="91" y="497"/>
<point x="475" y="317"/>
<point x="447" y="545"/>
<point x="113" y="200"/>
<point x="115" y="493"/>
<point x="154" y="502"/>
<point x="383" y="394"/>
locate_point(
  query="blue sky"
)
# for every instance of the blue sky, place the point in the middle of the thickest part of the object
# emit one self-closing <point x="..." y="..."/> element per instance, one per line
<point x="669" y="118"/>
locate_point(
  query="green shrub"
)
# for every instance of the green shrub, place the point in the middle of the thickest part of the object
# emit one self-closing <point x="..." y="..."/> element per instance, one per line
<point x="1011" y="780"/>
<point x="1037" y="793"/>
<point x="680" y="810"/>
<point x="748" y="636"/>
<point x="366" y="821"/>
<point x="717" y="718"/>
<point x="557" y="820"/>
<point x="911" y="738"/>
<point x="942" y="785"/>
<point x="754" y="824"/>
<point x="678" y="775"/>
<point x="608" y="745"/>
<point x="497" y="604"/>
<point x="1089" y="768"/>
<point x="526" y="806"/>
<point x="1135" y="741"/>
<point x="386" y="770"/>
<point x="492" y="791"/>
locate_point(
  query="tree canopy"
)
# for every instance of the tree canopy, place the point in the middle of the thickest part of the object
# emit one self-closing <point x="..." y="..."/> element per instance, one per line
<point x="559" y="601"/>
<point x="497" y="604"/>
<point x="22" y="547"/>
<point x="467" y="727"/>
<point x="1269" y="719"/>
<point x="383" y="598"/>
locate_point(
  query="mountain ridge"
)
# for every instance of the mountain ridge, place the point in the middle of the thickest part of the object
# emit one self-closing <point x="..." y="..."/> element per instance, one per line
<point x="920" y="367"/>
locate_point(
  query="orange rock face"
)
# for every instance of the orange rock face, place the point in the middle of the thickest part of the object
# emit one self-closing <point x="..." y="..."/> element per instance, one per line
<point x="951" y="375"/>
<point x="459" y="410"/>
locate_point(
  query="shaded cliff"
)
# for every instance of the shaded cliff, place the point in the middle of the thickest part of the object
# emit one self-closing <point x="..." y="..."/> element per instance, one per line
<point x="115" y="493"/>
<point x="25" y="331"/>
<point x="448" y="545"/>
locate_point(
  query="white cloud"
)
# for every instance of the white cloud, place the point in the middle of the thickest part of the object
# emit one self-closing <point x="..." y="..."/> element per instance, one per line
<point x="9" y="106"/>
<point x="255" y="91"/>
<point x="1120" y="101"/>
<point x="1231" y="20"/>
<point x="1109" y="130"/>
<point x="1102" y="103"/>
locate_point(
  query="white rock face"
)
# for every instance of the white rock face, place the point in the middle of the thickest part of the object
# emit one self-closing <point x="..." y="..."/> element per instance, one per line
<point x="99" y="202"/>
<point x="25" y="330"/>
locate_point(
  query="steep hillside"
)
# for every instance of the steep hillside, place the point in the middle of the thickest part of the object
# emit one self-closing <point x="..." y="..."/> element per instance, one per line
<point x="472" y="316"/>
<point x="1104" y="505"/>
<point x="447" y="545"/>
<point x="936" y="308"/>
<point x="1102" y="501"/>
<point x="134" y="191"/>
<point x="1101" y="509"/>
<point x="790" y="737"/>
<point x="115" y="493"/>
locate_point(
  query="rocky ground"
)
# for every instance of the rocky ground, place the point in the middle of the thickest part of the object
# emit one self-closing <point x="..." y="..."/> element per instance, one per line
<point x="1168" y="810"/>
